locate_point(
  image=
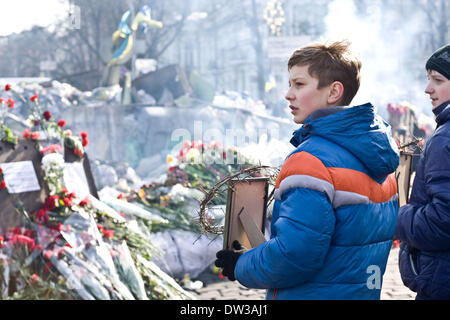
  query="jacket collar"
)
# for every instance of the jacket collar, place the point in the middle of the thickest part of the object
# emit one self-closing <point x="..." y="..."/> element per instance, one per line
<point x="301" y="134"/>
<point x="442" y="113"/>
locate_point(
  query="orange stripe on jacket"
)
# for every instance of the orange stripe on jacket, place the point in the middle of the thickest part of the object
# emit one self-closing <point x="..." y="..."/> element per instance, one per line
<point x="303" y="163"/>
<point x="359" y="182"/>
<point x="343" y="179"/>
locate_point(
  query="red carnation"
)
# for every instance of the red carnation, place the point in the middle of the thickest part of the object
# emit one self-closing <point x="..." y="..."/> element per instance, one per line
<point x="83" y="202"/>
<point x="10" y="102"/>
<point x="23" y="240"/>
<point x="78" y="152"/>
<point x="34" y="278"/>
<point x="2" y="185"/>
<point x="26" y="133"/>
<point x="1" y="170"/>
<point x="34" y="98"/>
<point x="47" y="115"/>
<point x="108" y="234"/>
<point x="100" y="228"/>
<point x="29" y="233"/>
<point x="61" y="123"/>
<point x="67" y="202"/>
<point x="17" y="230"/>
<point x="83" y="134"/>
<point x="7" y="87"/>
<point x="51" y="202"/>
<point x="85" y="142"/>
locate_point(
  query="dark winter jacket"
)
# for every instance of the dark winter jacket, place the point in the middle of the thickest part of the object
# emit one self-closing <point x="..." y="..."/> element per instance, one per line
<point x="335" y="211"/>
<point x="424" y="223"/>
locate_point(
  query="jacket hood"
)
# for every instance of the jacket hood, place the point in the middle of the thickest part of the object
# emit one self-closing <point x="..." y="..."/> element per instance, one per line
<point x="359" y="130"/>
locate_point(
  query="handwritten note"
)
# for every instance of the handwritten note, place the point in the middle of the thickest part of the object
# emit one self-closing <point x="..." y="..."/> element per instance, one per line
<point x="20" y="176"/>
<point x="75" y="179"/>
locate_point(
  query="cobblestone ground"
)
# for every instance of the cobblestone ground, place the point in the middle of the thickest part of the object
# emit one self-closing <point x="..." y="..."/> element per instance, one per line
<point x="217" y="289"/>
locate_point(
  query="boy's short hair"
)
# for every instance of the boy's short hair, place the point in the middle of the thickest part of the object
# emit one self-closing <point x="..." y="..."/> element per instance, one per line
<point x="329" y="63"/>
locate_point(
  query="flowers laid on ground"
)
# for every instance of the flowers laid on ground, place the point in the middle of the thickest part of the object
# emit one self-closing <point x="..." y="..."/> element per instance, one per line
<point x="77" y="248"/>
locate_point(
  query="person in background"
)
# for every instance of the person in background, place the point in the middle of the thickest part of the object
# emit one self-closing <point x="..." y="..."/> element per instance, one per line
<point x="336" y="201"/>
<point x="423" y="226"/>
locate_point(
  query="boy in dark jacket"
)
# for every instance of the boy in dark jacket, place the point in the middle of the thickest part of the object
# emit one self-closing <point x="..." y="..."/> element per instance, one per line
<point x="424" y="223"/>
<point x="336" y="205"/>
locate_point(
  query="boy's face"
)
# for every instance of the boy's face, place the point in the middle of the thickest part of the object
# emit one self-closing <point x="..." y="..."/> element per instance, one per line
<point x="303" y="95"/>
<point x="438" y="88"/>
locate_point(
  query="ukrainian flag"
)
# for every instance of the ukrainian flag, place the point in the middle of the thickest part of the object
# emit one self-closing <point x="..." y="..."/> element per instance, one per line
<point x="270" y="83"/>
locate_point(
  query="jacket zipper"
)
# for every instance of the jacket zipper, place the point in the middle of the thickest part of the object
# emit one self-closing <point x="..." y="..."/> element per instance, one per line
<point x="411" y="262"/>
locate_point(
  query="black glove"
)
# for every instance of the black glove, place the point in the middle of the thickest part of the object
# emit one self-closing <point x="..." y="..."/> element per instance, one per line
<point x="227" y="259"/>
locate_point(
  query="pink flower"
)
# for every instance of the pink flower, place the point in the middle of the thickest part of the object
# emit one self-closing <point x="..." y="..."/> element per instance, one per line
<point x="35" y="135"/>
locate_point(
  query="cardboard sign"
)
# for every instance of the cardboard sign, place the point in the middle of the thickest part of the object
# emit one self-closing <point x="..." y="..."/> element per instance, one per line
<point x="81" y="168"/>
<point x="20" y="161"/>
<point x="246" y="212"/>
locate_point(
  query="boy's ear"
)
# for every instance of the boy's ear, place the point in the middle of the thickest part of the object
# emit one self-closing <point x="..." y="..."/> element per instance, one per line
<point x="336" y="92"/>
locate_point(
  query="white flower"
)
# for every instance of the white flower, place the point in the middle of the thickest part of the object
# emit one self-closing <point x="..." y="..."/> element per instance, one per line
<point x="52" y="161"/>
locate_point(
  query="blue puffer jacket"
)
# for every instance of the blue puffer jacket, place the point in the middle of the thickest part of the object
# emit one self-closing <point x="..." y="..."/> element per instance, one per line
<point x="335" y="211"/>
<point x="424" y="223"/>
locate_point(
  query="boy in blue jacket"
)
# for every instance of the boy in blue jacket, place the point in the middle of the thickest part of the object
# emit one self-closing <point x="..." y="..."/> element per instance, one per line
<point x="335" y="208"/>
<point x="424" y="223"/>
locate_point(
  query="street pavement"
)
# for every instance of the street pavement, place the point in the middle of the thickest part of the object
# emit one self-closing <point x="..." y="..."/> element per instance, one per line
<point x="222" y="289"/>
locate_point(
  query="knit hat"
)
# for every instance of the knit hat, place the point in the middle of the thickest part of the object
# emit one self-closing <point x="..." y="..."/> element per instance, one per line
<point x="440" y="61"/>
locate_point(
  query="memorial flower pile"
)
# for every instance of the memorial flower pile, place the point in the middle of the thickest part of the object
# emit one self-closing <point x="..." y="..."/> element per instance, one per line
<point x="80" y="248"/>
<point x="44" y="129"/>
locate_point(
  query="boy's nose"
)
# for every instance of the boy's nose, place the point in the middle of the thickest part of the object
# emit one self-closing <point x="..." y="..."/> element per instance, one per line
<point x="429" y="89"/>
<point x="288" y="96"/>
